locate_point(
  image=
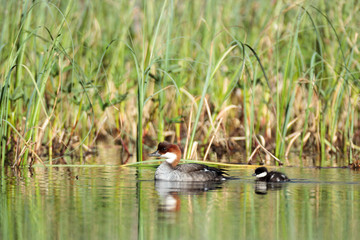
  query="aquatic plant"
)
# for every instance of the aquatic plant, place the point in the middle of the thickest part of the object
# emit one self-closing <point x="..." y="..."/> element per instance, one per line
<point x="215" y="77"/>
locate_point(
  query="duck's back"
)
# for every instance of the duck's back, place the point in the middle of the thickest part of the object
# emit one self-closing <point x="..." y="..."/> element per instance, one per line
<point x="200" y="172"/>
<point x="192" y="172"/>
<point x="274" y="176"/>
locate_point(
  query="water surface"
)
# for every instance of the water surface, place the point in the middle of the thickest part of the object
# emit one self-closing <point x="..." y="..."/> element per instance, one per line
<point x="125" y="203"/>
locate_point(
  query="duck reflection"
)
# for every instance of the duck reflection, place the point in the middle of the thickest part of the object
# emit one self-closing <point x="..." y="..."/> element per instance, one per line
<point x="169" y="192"/>
<point x="262" y="187"/>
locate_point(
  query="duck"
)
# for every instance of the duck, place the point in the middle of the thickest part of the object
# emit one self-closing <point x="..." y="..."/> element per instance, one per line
<point x="169" y="170"/>
<point x="263" y="175"/>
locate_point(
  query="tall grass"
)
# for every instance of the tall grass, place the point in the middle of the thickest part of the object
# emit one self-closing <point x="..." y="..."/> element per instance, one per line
<point x="75" y="72"/>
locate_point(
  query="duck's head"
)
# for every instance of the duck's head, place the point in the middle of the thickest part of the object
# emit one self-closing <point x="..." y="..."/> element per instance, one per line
<point x="171" y="153"/>
<point x="260" y="172"/>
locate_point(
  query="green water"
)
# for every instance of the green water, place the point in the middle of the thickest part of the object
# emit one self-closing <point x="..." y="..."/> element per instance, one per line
<point x="125" y="203"/>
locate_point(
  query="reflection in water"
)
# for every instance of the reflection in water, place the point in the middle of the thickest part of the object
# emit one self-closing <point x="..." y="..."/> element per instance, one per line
<point x="262" y="187"/>
<point x="169" y="192"/>
<point x="121" y="203"/>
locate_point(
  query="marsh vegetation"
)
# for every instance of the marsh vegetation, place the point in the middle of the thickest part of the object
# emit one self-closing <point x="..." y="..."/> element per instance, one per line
<point x="227" y="80"/>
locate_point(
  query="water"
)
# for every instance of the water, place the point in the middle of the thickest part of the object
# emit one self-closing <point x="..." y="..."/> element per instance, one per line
<point x="125" y="203"/>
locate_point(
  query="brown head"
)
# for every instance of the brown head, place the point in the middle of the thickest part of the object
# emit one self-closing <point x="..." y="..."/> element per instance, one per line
<point x="171" y="153"/>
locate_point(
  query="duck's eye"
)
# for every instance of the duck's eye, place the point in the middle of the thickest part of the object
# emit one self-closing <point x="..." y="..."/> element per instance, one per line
<point x="162" y="149"/>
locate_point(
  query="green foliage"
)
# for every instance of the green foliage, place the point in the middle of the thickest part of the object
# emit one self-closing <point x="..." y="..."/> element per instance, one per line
<point x="287" y="72"/>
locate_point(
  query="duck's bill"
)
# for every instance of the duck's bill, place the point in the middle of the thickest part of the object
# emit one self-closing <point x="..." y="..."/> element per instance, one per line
<point x="254" y="174"/>
<point x="155" y="154"/>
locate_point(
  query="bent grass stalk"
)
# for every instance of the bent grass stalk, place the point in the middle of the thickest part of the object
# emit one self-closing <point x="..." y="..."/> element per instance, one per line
<point x="24" y="140"/>
<point x="209" y="76"/>
<point x="34" y="113"/>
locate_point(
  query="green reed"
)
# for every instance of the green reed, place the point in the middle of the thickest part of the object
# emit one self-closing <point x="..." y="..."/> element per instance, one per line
<point x="286" y="92"/>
